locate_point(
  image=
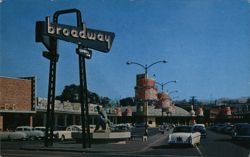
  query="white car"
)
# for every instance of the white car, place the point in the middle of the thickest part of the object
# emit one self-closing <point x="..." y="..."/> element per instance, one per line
<point x="10" y="135"/>
<point x="31" y="133"/>
<point x="40" y="128"/>
<point x="77" y="135"/>
<point x="184" y="135"/>
<point x="67" y="134"/>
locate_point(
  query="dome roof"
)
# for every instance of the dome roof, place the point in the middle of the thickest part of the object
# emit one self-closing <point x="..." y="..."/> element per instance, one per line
<point x="178" y="112"/>
<point x="152" y="111"/>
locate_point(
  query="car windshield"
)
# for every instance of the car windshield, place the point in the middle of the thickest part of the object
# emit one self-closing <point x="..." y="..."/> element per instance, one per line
<point x="40" y="129"/>
<point x="19" y="129"/>
<point x="182" y="129"/>
<point x="199" y="128"/>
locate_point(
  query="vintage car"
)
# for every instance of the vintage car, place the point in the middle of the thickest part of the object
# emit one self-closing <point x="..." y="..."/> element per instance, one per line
<point x="31" y="133"/>
<point x="67" y="133"/>
<point x="184" y="135"/>
<point x="241" y="131"/>
<point x="77" y="135"/>
<point x="40" y="128"/>
<point x="10" y="135"/>
<point x="200" y="128"/>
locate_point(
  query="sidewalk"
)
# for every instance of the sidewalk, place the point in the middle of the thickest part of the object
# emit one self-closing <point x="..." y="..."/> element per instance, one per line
<point x="125" y="146"/>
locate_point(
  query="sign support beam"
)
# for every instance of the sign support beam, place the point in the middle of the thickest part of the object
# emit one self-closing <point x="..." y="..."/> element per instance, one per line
<point x="85" y="38"/>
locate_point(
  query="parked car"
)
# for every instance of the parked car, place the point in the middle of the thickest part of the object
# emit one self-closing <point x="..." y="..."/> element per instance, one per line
<point x="69" y="131"/>
<point x="120" y="127"/>
<point x="164" y="127"/>
<point x="184" y="135"/>
<point x="201" y="125"/>
<point x="201" y="128"/>
<point x="43" y="129"/>
<point x="77" y="135"/>
<point x="40" y="128"/>
<point x="140" y="125"/>
<point x="241" y="132"/>
<point x="31" y="133"/>
<point x="228" y="129"/>
<point x="215" y="126"/>
<point x="219" y="127"/>
<point x="11" y="135"/>
<point x="223" y="127"/>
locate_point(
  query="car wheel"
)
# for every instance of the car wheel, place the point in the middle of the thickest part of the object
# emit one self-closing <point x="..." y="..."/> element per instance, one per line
<point x="32" y="138"/>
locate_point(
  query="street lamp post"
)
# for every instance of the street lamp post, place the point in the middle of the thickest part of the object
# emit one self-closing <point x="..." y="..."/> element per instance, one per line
<point x="146" y="67"/>
<point x="162" y="87"/>
<point x="192" y="112"/>
<point x="163" y="84"/>
<point x="169" y="93"/>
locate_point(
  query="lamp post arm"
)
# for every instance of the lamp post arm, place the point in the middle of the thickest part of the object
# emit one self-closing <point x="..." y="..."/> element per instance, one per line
<point x="144" y="67"/>
<point x="158" y="83"/>
<point x="175" y="91"/>
<point x="163" y="84"/>
<point x="163" y="61"/>
<point x="169" y="82"/>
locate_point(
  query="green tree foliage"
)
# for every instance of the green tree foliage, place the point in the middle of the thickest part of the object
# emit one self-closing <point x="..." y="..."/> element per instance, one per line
<point x="71" y="93"/>
<point x="248" y="100"/>
<point x="93" y="98"/>
<point x="104" y="101"/>
<point x="129" y="101"/>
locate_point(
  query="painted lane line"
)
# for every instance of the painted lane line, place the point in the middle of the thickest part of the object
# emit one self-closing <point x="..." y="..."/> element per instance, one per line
<point x="199" y="151"/>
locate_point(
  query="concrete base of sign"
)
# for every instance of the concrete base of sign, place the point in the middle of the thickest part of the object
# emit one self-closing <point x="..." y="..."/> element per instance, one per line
<point x="104" y="137"/>
<point x="111" y="135"/>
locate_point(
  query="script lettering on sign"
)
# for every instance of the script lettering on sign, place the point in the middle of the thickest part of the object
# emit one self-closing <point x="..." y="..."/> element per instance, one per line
<point x="98" y="40"/>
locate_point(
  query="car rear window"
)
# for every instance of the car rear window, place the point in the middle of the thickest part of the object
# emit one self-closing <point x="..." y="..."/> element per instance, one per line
<point x="183" y="129"/>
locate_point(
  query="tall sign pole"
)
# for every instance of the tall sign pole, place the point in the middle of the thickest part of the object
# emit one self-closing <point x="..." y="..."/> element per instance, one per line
<point x="82" y="97"/>
<point x="85" y="38"/>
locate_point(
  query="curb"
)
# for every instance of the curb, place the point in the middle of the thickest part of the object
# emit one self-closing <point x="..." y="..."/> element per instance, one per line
<point x="152" y="140"/>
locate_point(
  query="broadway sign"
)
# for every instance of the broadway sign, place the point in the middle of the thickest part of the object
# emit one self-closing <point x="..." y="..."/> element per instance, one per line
<point x="89" y="38"/>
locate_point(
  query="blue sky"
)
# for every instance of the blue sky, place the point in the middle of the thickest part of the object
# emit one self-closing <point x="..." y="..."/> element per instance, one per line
<point x="206" y="44"/>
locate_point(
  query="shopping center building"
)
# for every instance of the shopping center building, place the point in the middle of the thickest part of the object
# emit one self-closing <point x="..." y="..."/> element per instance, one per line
<point x="19" y="105"/>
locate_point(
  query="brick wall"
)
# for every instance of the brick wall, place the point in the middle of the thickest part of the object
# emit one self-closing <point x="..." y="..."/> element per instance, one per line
<point x="15" y="94"/>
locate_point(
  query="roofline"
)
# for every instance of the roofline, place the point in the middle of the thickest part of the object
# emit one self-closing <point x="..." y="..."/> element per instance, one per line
<point x="17" y="78"/>
<point x="11" y="111"/>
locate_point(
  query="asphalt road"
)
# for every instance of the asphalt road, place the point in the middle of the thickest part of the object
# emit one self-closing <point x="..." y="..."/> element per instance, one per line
<point x="215" y="145"/>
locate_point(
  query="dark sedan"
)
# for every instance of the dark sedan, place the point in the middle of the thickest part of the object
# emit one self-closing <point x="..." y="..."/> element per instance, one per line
<point x="241" y="132"/>
<point x="200" y="129"/>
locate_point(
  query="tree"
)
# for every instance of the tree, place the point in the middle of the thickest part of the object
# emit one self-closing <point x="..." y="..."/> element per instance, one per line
<point x="71" y="93"/>
<point x="93" y="98"/>
<point x="114" y="103"/>
<point x="105" y="101"/>
<point x="248" y="100"/>
<point x="129" y="101"/>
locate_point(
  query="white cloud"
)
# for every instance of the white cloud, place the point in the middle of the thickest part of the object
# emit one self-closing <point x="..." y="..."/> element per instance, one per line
<point x="1" y="1"/>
